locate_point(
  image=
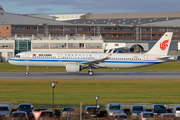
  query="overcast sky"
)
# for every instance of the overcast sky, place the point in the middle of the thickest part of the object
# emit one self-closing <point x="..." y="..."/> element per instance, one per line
<point x="88" y="6"/>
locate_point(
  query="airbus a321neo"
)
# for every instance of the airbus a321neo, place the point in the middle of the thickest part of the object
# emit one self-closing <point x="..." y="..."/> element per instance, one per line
<point x="75" y="62"/>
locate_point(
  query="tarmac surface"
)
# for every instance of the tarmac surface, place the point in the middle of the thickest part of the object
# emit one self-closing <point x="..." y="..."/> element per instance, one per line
<point x="85" y="76"/>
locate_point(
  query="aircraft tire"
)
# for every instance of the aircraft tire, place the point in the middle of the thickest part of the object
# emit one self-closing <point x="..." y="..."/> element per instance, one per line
<point x="27" y="73"/>
<point x="90" y="73"/>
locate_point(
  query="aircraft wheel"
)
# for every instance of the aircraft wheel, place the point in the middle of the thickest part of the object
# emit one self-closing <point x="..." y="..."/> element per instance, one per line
<point x="90" y="73"/>
<point x="27" y="73"/>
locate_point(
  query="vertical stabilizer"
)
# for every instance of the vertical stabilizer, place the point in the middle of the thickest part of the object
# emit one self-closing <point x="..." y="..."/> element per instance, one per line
<point x="162" y="46"/>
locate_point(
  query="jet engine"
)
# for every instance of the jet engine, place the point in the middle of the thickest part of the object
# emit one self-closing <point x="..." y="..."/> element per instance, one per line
<point x="73" y="67"/>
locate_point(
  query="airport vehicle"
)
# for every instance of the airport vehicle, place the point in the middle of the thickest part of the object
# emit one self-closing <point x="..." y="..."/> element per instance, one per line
<point x="5" y="111"/>
<point x="19" y="115"/>
<point x="69" y="111"/>
<point x="91" y="111"/>
<point x="25" y="107"/>
<point x="47" y="115"/>
<point x="120" y="116"/>
<point x="159" y="109"/>
<point x="136" y="110"/>
<point x="112" y="108"/>
<point x="147" y="116"/>
<point x="176" y="110"/>
<point x="75" y="62"/>
<point x="167" y="116"/>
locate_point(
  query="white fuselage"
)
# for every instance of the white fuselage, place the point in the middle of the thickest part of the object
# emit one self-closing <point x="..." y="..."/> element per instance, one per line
<point x="75" y="62"/>
<point x="55" y="59"/>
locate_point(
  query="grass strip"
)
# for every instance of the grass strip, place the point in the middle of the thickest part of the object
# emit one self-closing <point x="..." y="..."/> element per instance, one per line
<point x="71" y="92"/>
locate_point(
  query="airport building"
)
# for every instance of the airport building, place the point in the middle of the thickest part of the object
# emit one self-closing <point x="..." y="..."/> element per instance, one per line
<point x="9" y="46"/>
<point x="85" y="32"/>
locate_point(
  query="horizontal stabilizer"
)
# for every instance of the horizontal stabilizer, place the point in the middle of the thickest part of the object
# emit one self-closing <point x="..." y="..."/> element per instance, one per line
<point x="165" y="58"/>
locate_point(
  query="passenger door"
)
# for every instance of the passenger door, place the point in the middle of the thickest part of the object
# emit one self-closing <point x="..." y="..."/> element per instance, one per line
<point x="145" y="58"/>
<point x="26" y="56"/>
<point x="59" y="57"/>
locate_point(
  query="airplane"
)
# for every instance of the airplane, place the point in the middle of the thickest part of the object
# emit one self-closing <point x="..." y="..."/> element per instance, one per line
<point x="75" y="62"/>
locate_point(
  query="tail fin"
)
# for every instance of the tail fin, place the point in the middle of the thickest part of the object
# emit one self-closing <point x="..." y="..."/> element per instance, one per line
<point x="162" y="46"/>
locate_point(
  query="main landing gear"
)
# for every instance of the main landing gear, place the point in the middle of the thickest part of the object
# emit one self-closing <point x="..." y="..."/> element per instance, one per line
<point x="90" y="72"/>
<point x="27" y="68"/>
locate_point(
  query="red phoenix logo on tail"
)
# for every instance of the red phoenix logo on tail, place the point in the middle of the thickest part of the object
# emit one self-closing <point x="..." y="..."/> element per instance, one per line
<point x="164" y="44"/>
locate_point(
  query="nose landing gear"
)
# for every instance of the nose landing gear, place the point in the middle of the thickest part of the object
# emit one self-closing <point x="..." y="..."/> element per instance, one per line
<point x="27" y="68"/>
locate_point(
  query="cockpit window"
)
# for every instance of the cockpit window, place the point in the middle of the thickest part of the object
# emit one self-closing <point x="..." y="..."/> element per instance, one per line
<point x="18" y="56"/>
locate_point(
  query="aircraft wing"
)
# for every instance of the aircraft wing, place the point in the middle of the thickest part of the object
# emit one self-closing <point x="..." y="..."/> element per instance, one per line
<point x="96" y="63"/>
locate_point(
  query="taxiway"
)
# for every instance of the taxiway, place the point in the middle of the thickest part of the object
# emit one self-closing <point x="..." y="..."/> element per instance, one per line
<point x="85" y="76"/>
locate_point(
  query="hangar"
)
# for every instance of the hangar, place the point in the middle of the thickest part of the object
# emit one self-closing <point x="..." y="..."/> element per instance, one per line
<point x="136" y="31"/>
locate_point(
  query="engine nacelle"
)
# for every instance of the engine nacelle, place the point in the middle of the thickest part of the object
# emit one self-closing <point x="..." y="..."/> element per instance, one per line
<point x="72" y="67"/>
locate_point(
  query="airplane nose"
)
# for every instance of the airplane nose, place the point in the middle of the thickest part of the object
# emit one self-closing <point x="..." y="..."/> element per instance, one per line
<point x="13" y="62"/>
<point x="10" y="61"/>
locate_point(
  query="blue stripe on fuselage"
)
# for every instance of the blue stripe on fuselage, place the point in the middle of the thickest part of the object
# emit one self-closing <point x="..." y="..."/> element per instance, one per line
<point x="83" y="60"/>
